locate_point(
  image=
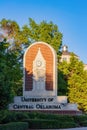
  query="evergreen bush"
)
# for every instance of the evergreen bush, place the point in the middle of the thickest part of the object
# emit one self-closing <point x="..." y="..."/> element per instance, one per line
<point x="14" y="126"/>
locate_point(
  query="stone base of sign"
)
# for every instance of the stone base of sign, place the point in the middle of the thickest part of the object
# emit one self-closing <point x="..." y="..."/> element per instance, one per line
<point x="48" y="104"/>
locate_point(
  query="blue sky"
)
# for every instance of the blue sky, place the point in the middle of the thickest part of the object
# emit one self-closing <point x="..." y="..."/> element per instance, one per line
<point x="69" y="15"/>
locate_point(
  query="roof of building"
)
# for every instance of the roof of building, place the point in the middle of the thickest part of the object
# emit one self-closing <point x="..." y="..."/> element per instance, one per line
<point x="68" y="53"/>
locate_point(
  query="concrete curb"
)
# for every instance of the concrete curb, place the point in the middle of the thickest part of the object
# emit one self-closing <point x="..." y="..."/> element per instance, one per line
<point x="82" y="128"/>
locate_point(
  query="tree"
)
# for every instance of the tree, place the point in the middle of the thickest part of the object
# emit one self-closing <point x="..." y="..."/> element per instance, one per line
<point x="77" y="82"/>
<point x="13" y="34"/>
<point x="63" y="78"/>
<point x="78" y="90"/>
<point x="47" y="32"/>
<point x="10" y="75"/>
<point x="73" y="80"/>
<point x="62" y="83"/>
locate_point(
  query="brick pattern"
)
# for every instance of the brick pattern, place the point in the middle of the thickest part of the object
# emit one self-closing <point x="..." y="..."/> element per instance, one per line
<point x="30" y="56"/>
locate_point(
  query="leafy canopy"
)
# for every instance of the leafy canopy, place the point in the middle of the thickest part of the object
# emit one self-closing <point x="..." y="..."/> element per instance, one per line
<point x="47" y="32"/>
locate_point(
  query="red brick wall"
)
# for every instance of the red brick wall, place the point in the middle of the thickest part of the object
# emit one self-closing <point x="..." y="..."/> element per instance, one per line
<point x="30" y="56"/>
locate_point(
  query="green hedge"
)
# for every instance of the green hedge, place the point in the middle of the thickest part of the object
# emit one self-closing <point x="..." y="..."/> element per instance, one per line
<point x="14" y="126"/>
<point x="11" y="116"/>
<point x="81" y="120"/>
<point x="84" y="123"/>
<point x="43" y="120"/>
<point x="50" y="124"/>
<point x="39" y="115"/>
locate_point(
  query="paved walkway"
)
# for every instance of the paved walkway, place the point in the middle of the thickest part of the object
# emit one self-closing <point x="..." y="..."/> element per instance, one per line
<point x="82" y="128"/>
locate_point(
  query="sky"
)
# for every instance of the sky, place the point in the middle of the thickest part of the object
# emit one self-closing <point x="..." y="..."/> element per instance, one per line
<point x="69" y="15"/>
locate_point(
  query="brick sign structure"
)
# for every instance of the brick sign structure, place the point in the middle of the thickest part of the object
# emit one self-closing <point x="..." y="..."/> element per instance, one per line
<point x="40" y="71"/>
<point x="40" y="82"/>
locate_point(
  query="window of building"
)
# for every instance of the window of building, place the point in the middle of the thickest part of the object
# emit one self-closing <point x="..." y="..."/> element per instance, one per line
<point x="64" y="59"/>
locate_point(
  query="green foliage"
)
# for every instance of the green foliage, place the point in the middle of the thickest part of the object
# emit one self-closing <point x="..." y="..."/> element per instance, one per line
<point x="62" y="83"/>
<point x="14" y="126"/>
<point x="11" y="116"/>
<point x="77" y="84"/>
<point x="47" y="32"/>
<point x="50" y="124"/>
<point x="75" y="66"/>
<point x="13" y="32"/>
<point x="73" y="78"/>
<point x="10" y="74"/>
<point x="38" y="115"/>
<point x="81" y="120"/>
<point x="37" y="120"/>
<point x="78" y="90"/>
<point x="63" y="78"/>
<point x="84" y="123"/>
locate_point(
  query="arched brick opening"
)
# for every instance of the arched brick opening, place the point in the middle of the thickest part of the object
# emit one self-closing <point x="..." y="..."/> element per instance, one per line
<point x="29" y="56"/>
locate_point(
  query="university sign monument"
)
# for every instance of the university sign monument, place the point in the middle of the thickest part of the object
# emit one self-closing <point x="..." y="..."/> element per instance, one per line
<point x="40" y="83"/>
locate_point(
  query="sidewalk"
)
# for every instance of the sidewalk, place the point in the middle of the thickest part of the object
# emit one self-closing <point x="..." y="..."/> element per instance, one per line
<point x="82" y="128"/>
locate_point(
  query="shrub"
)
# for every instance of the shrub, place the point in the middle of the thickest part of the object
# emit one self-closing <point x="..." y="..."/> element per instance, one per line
<point x="80" y="119"/>
<point x="11" y="116"/>
<point x="39" y="115"/>
<point x="49" y="124"/>
<point x="21" y="116"/>
<point x="84" y="123"/>
<point x="14" y="126"/>
<point x="43" y="120"/>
